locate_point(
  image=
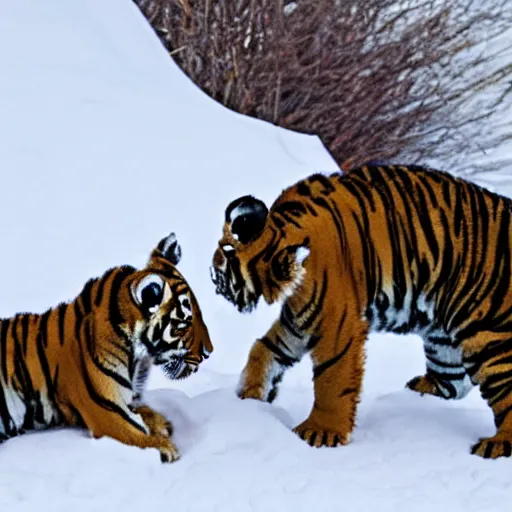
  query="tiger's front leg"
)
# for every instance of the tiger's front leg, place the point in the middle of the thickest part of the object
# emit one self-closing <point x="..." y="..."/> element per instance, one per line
<point x="106" y="410"/>
<point x="156" y="422"/>
<point x="269" y="358"/>
<point x="159" y="426"/>
<point x="337" y="375"/>
<point x="129" y="427"/>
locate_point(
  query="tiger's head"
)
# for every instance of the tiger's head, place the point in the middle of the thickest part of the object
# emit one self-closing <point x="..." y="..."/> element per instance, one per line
<point x="163" y="316"/>
<point x="255" y="257"/>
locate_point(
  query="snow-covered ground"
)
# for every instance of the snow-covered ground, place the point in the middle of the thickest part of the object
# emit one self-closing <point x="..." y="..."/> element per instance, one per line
<point x="105" y="146"/>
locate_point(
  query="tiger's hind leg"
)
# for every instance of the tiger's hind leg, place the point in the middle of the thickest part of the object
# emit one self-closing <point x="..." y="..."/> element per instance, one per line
<point x="446" y="376"/>
<point x="487" y="360"/>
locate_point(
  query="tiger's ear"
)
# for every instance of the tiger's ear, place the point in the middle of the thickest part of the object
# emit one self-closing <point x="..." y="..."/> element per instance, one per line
<point x="288" y="263"/>
<point x="301" y="254"/>
<point x="169" y="249"/>
<point x="246" y="218"/>
<point x="288" y="269"/>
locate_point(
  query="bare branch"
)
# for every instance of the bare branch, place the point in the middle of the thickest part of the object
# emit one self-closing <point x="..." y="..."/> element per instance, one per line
<point x="380" y="79"/>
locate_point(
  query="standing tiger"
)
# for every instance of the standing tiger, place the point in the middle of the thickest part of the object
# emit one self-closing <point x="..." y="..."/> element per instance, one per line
<point x="381" y="248"/>
<point x="85" y="363"/>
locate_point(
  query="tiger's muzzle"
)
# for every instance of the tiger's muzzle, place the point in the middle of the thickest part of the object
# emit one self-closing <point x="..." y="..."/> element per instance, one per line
<point x="233" y="289"/>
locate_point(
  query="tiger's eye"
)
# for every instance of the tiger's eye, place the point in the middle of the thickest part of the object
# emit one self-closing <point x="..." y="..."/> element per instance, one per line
<point x="151" y="295"/>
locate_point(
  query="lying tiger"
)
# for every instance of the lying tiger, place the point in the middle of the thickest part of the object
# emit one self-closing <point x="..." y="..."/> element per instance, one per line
<point x="381" y="248"/>
<point x="85" y="363"/>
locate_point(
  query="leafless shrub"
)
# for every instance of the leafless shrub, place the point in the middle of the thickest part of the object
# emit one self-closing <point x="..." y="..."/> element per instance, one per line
<point x="375" y="79"/>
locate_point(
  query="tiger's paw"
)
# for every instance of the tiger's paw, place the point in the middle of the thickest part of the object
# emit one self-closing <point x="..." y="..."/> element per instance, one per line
<point x="493" y="447"/>
<point x="251" y="388"/>
<point x="255" y="392"/>
<point x="156" y="422"/>
<point x="423" y="385"/>
<point x="168" y="451"/>
<point x="317" y="436"/>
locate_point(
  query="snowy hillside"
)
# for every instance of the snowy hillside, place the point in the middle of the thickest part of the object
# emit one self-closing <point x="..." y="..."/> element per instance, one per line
<point x="105" y="146"/>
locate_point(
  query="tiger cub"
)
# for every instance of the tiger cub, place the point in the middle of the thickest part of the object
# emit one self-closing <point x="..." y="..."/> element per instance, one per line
<point x="85" y="363"/>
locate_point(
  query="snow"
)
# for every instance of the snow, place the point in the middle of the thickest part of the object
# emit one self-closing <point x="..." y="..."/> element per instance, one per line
<point x="105" y="146"/>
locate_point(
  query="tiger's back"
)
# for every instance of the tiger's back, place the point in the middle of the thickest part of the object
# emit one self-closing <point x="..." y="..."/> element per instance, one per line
<point x="433" y="250"/>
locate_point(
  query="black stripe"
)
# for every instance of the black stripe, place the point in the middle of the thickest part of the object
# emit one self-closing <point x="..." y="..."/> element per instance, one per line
<point x="446" y="376"/>
<point x="347" y="391"/>
<point x="356" y="187"/>
<point x="78" y="317"/>
<point x="280" y="341"/>
<point x="303" y="189"/>
<point x="8" y="424"/>
<point x="3" y="346"/>
<point x="295" y="208"/>
<point x="500" y="418"/>
<point x="115" y="316"/>
<point x="77" y="416"/>
<point x="14" y="336"/>
<point x="61" y="315"/>
<point x="107" y="404"/>
<point x="443" y="364"/>
<point x="499" y="394"/>
<point x="86" y="297"/>
<point x="341" y="323"/>
<point x="281" y="357"/>
<point x="440" y="340"/>
<point x="117" y="357"/>
<point x="324" y="181"/>
<point x="488" y="449"/>
<point x="27" y="388"/>
<point x="271" y="248"/>
<point x="323" y="367"/>
<point x="495" y="380"/>
<point x="491" y="350"/>
<point x="446" y="388"/>
<point x="307" y="305"/>
<point x="503" y="360"/>
<point x="43" y="324"/>
<point x="43" y="361"/>
<point x="446" y="189"/>
<point x="444" y="281"/>
<point x="288" y="219"/>
<point x="287" y="321"/>
<point x="313" y="342"/>
<point x="89" y="346"/>
<point x="318" y="303"/>
<point x="430" y="192"/>
<point x="101" y="286"/>
<point x="25" y="320"/>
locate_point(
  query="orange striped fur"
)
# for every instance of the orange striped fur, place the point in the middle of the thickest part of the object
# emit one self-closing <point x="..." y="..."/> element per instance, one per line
<point x="85" y="363"/>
